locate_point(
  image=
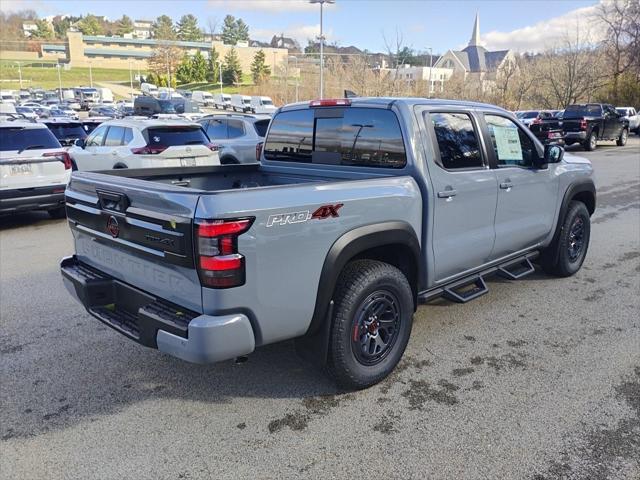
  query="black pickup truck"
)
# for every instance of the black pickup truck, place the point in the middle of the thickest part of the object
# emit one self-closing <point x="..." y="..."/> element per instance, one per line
<point x="588" y="123"/>
<point x="547" y="127"/>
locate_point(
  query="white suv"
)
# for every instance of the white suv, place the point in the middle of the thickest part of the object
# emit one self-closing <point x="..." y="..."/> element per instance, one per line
<point x="145" y="143"/>
<point x="34" y="169"/>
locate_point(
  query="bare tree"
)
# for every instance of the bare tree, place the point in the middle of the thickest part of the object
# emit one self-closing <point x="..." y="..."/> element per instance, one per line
<point x="212" y="25"/>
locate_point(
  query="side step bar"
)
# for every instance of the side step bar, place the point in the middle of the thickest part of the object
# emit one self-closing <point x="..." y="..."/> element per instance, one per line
<point x="465" y="290"/>
<point x="516" y="269"/>
<point x="473" y="286"/>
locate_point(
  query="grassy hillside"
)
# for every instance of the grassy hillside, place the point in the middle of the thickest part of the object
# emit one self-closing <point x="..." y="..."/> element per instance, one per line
<point x="45" y="75"/>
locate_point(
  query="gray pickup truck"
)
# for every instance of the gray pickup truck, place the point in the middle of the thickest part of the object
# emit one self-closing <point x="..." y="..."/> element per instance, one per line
<point x="359" y="210"/>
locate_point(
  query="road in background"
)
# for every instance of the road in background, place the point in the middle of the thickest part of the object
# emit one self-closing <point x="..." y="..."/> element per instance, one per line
<point x="538" y="379"/>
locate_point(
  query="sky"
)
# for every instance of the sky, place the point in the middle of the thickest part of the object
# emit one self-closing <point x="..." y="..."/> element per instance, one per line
<point x="523" y="25"/>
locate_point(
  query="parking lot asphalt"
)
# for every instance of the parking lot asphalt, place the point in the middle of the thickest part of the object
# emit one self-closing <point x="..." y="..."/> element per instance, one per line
<point x="538" y="379"/>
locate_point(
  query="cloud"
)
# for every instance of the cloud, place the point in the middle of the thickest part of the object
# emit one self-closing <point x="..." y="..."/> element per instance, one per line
<point x="301" y="33"/>
<point x="269" y="6"/>
<point x="576" y="24"/>
<point x="16" y="5"/>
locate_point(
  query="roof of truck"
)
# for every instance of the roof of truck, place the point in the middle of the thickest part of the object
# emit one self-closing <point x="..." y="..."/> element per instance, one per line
<point x="386" y="102"/>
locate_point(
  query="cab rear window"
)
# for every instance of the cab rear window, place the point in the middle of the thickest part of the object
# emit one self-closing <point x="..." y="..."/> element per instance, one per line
<point x="175" y="136"/>
<point x="354" y="136"/>
<point x="17" y="138"/>
<point x="63" y="131"/>
<point x="578" y="111"/>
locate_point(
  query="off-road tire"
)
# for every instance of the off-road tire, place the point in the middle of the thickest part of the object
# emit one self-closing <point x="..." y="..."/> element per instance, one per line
<point x="556" y="259"/>
<point x="591" y="142"/>
<point x="359" y="280"/>
<point x="622" y="139"/>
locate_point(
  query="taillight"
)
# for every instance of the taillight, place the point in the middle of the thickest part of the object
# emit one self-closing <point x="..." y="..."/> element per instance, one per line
<point x="63" y="157"/>
<point x="212" y="146"/>
<point x="537" y="121"/>
<point x="220" y="265"/>
<point x="259" y="151"/>
<point x="330" y="102"/>
<point x="583" y="124"/>
<point x="147" y="150"/>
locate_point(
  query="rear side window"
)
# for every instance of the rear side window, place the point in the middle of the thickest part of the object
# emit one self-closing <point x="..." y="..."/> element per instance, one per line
<point x="338" y="136"/>
<point x="114" y="137"/>
<point x="261" y="127"/>
<point x="128" y="136"/>
<point x="217" y="129"/>
<point x="235" y="128"/>
<point x="457" y="140"/>
<point x="96" y="137"/>
<point x="16" y="138"/>
<point x="175" y="136"/>
<point x="65" y="131"/>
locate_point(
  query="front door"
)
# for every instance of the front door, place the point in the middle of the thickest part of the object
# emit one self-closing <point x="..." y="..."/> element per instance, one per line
<point x="527" y="196"/>
<point x="464" y="191"/>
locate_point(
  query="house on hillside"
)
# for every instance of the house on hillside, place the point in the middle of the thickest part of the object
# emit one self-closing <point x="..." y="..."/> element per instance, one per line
<point x="474" y="59"/>
<point x="280" y="41"/>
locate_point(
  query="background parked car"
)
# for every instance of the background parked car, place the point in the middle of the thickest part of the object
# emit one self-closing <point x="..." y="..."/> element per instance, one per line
<point x="632" y="116"/>
<point x="222" y="100"/>
<point x="547" y="128"/>
<point x="240" y="137"/>
<point x="66" y="131"/>
<point x="527" y="117"/>
<point x="203" y="98"/>
<point x="240" y="103"/>
<point x="27" y="112"/>
<point x="34" y="169"/>
<point x="103" y="111"/>
<point x="588" y="123"/>
<point x="146" y="143"/>
<point x="261" y="104"/>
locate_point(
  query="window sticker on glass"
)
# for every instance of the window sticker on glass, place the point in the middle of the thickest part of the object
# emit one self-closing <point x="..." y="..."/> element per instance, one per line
<point x="507" y="143"/>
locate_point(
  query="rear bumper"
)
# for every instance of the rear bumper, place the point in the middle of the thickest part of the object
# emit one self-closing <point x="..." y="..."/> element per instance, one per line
<point x="154" y="322"/>
<point x="572" y="137"/>
<point x="37" y="198"/>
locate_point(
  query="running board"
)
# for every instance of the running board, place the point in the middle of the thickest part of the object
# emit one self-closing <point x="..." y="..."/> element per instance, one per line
<point x="465" y="290"/>
<point x="516" y="269"/>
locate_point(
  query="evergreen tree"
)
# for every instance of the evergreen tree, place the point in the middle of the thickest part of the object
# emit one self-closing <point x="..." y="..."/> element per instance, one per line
<point x="124" y="25"/>
<point x="188" y="29"/>
<point x="90" y="25"/>
<point x="162" y="28"/>
<point x="213" y="73"/>
<point x="242" y="31"/>
<point x="184" y="72"/>
<point x="198" y="68"/>
<point x="259" y="69"/>
<point x="43" y="30"/>
<point x="229" y="30"/>
<point x="231" y="69"/>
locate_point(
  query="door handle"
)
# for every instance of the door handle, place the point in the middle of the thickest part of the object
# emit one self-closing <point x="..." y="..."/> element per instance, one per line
<point x="506" y="185"/>
<point x="447" y="194"/>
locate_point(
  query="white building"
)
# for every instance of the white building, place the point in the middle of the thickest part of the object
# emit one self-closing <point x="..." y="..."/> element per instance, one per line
<point x="142" y="28"/>
<point x="29" y="27"/>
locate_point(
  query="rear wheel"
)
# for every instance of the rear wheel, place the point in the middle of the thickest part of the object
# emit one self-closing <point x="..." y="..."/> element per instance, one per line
<point x="591" y="143"/>
<point x="565" y="256"/>
<point x="622" y="139"/>
<point x="371" y="324"/>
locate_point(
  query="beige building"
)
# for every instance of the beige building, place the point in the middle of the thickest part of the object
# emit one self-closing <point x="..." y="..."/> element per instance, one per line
<point x="118" y="52"/>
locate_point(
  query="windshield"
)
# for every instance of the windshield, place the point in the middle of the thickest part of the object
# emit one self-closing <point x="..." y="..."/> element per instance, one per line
<point x="528" y="115"/>
<point x="261" y="127"/>
<point x="166" y="106"/>
<point x="65" y="131"/>
<point x="246" y="100"/>
<point x="577" y="111"/>
<point x="267" y="102"/>
<point x="19" y="138"/>
<point x="176" y="136"/>
<point x="622" y="111"/>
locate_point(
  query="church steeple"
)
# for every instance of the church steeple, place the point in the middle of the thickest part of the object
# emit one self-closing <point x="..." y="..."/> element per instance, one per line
<point x="475" y="36"/>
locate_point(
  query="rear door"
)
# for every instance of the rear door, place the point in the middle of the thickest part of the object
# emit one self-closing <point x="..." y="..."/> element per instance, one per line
<point x="139" y="232"/>
<point x="464" y="193"/>
<point x="527" y="196"/>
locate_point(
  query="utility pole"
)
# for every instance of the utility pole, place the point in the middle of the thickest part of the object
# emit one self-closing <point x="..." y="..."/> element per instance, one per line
<point x="297" y="75"/>
<point x="220" y="73"/>
<point x="131" y="79"/>
<point x="59" y="81"/>
<point x="321" y="38"/>
<point x="430" y="69"/>
<point x="90" y="75"/>
<point x="20" y="73"/>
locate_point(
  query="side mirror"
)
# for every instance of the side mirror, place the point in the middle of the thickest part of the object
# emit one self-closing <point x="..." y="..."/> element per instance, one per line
<point x="80" y="143"/>
<point x="553" y="153"/>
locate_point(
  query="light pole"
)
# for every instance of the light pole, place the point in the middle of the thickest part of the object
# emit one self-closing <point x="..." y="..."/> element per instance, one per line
<point x="20" y="73"/>
<point x="131" y="79"/>
<point x="430" y="69"/>
<point x="166" y="53"/>
<point x="90" y="75"/>
<point x="220" y="75"/>
<point x="59" y="81"/>
<point x="297" y="75"/>
<point x="321" y="38"/>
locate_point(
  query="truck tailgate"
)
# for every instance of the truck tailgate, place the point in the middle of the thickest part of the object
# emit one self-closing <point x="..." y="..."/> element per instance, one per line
<point x="138" y="232"/>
